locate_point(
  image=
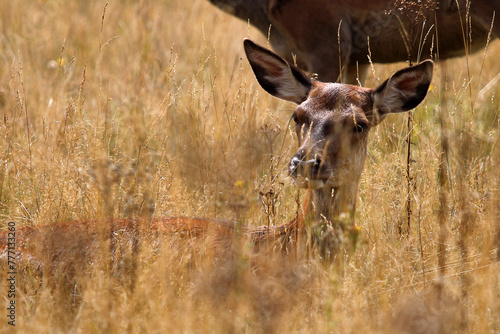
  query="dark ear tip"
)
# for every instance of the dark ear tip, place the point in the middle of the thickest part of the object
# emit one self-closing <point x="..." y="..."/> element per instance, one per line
<point x="248" y="44"/>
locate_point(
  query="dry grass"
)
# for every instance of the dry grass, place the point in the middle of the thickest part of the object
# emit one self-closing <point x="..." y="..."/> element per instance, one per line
<point x="154" y="111"/>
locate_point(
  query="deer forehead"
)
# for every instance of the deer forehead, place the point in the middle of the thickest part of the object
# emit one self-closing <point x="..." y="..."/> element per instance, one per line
<point x="333" y="102"/>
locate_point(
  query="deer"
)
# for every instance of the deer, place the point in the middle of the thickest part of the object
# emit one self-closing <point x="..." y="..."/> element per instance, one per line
<point x="332" y="122"/>
<point x="333" y="38"/>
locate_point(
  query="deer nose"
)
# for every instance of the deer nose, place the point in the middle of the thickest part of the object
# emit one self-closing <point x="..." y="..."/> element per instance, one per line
<point x="301" y="167"/>
<point x="294" y="166"/>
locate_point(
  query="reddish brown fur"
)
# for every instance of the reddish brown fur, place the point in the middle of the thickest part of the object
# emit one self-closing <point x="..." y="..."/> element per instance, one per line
<point x="26" y="236"/>
<point x="39" y="245"/>
<point x="310" y="30"/>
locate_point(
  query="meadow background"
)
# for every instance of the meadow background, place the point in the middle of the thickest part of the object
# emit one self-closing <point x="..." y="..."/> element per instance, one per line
<point x="149" y="108"/>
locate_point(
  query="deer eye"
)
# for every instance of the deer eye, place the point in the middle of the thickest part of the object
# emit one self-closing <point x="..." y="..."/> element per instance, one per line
<point x="359" y="128"/>
<point x="295" y="118"/>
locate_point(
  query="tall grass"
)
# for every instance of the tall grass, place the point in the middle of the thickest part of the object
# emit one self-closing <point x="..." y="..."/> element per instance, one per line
<point x="149" y="109"/>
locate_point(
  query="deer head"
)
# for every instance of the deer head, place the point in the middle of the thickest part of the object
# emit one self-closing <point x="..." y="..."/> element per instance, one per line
<point x="332" y="122"/>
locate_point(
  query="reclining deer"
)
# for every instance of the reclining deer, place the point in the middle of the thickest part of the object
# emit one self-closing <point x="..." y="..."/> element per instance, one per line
<point x="327" y="36"/>
<point x="332" y="123"/>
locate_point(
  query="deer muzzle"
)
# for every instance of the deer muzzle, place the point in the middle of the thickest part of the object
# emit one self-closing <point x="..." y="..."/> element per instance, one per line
<point x="305" y="172"/>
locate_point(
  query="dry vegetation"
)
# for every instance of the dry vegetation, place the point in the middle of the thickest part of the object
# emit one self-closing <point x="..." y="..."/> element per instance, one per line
<point x="152" y="111"/>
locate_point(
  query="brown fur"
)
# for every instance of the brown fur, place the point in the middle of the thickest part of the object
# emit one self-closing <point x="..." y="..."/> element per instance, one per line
<point x="312" y="30"/>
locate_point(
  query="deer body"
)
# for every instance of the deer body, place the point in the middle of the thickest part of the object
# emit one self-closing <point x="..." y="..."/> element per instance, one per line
<point x="312" y="31"/>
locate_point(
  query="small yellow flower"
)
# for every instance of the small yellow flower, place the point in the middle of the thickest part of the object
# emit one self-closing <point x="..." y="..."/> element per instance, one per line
<point x="61" y="61"/>
<point x="239" y="183"/>
<point x="431" y="88"/>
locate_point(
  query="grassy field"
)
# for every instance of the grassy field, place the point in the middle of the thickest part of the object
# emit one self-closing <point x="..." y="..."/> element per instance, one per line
<point x="149" y="108"/>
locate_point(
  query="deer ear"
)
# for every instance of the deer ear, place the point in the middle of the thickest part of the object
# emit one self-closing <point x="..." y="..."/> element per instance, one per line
<point x="275" y="75"/>
<point x="404" y="90"/>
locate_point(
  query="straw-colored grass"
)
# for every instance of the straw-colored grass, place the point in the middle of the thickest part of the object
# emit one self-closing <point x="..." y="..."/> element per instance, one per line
<point x="149" y="108"/>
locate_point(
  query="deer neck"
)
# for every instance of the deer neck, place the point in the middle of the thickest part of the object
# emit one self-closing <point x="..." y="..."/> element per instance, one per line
<point x="333" y="204"/>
